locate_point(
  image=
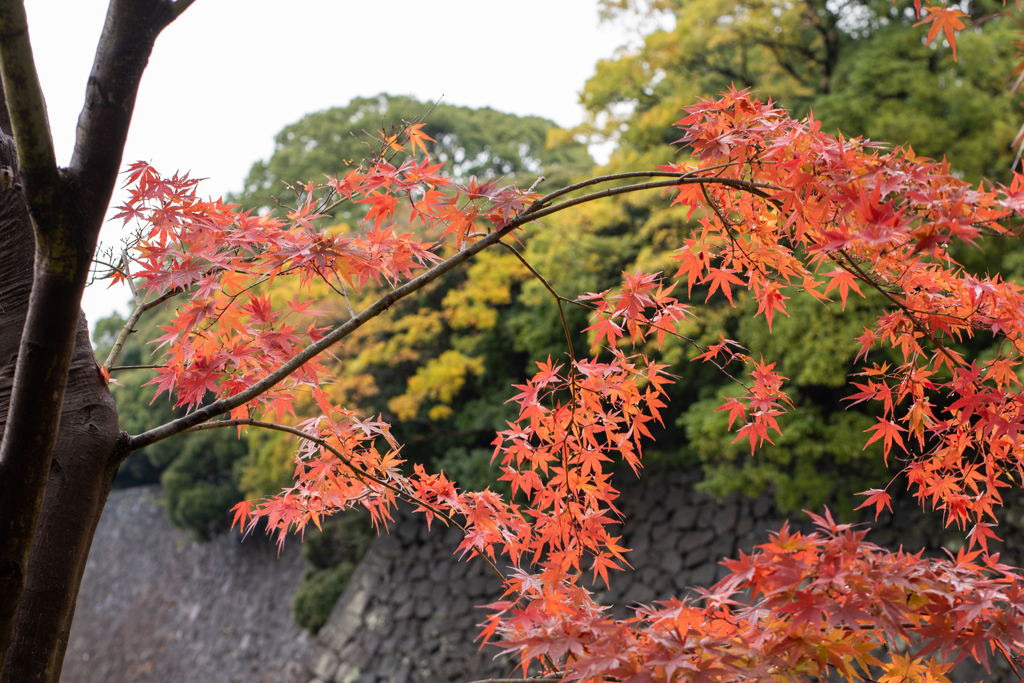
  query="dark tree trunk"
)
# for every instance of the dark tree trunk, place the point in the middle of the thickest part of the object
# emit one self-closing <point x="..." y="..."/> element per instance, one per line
<point x="60" y="444"/>
<point x="84" y="463"/>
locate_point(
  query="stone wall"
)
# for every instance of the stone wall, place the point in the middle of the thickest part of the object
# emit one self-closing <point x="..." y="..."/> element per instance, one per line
<point x="408" y="615"/>
<point x="157" y="606"/>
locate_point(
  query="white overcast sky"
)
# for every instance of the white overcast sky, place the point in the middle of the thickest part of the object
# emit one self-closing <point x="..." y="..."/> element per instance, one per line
<point x="229" y="74"/>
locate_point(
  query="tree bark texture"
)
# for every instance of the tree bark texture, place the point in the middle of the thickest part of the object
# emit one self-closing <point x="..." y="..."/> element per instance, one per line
<point x="84" y="463"/>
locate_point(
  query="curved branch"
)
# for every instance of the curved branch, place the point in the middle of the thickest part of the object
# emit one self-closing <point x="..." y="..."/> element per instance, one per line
<point x="597" y="180"/>
<point x="343" y="330"/>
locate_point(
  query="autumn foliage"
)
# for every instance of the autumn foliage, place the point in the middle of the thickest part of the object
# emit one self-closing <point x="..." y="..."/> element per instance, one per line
<point x="784" y="210"/>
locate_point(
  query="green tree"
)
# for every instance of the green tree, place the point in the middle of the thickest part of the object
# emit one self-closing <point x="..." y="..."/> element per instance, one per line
<point x="470" y="142"/>
<point x="860" y="66"/>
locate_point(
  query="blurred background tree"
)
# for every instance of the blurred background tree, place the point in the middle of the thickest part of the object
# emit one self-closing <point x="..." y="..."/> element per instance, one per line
<point x="470" y="142"/>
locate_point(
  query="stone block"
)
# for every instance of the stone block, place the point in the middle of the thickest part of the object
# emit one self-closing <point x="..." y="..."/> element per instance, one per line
<point x="325" y="663"/>
<point x="665" y="539"/>
<point x="681" y="581"/>
<point x="671" y="563"/>
<point x="744" y="525"/>
<point x="408" y="645"/>
<point x="761" y="507"/>
<point x="694" y="539"/>
<point x="347" y="673"/>
<point x="439" y="573"/>
<point x="351" y="651"/>
<point x="370" y="647"/>
<point x="639" y="545"/>
<point x="454" y="670"/>
<point x="417" y="571"/>
<point x="648" y="575"/>
<point x="722" y="546"/>
<point x="388" y="546"/>
<point x="457" y="570"/>
<point x="479" y="586"/>
<point x="696" y="556"/>
<point x="747" y="543"/>
<point x="724" y="520"/>
<point x="684" y="517"/>
<point x="704" y="575"/>
<point x="388" y="646"/>
<point x="424" y="609"/>
<point x="459" y="606"/>
<point x="707" y="513"/>
<point x="638" y="593"/>
<point x="405" y="610"/>
<point x="407" y="531"/>
<point x="659" y="513"/>
<point x="400" y="594"/>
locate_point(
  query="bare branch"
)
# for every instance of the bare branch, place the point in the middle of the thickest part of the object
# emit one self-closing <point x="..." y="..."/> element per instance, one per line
<point x="558" y="297"/>
<point x="27" y="109"/>
<point x="128" y="276"/>
<point x="129" y="33"/>
<point x="133" y="320"/>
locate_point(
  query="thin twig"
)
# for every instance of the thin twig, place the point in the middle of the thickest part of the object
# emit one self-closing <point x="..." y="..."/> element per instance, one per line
<point x="359" y="474"/>
<point x="133" y="320"/>
<point x="558" y="297"/>
<point x="757" y="189"/>
<point x="855" y="269"/>
<point x="135" y="367"/>
<point x="129" y="278"/>
<point x="545" y="200"/>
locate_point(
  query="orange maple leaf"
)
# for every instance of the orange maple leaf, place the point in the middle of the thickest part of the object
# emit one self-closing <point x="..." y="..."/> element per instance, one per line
<point x="943" y="19"/>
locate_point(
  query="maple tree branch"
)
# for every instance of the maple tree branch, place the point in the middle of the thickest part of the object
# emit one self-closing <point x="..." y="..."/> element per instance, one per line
<point x="546" y="199"/>
<point x="128" y="276"/>
<point x="341" y="331"/>
<point x="859" y="273"/>
<point x="359" y="474"/>
<point x="135" y="367"/>
<point x="129" y="33"/>
<point x="30" y="127"/>
<point x="558" y="297"/>
<point x="179" y="6"/>
<point x="537" y="679"/>
<point x="757" y="189"/>
<point x="133" y="320"/>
